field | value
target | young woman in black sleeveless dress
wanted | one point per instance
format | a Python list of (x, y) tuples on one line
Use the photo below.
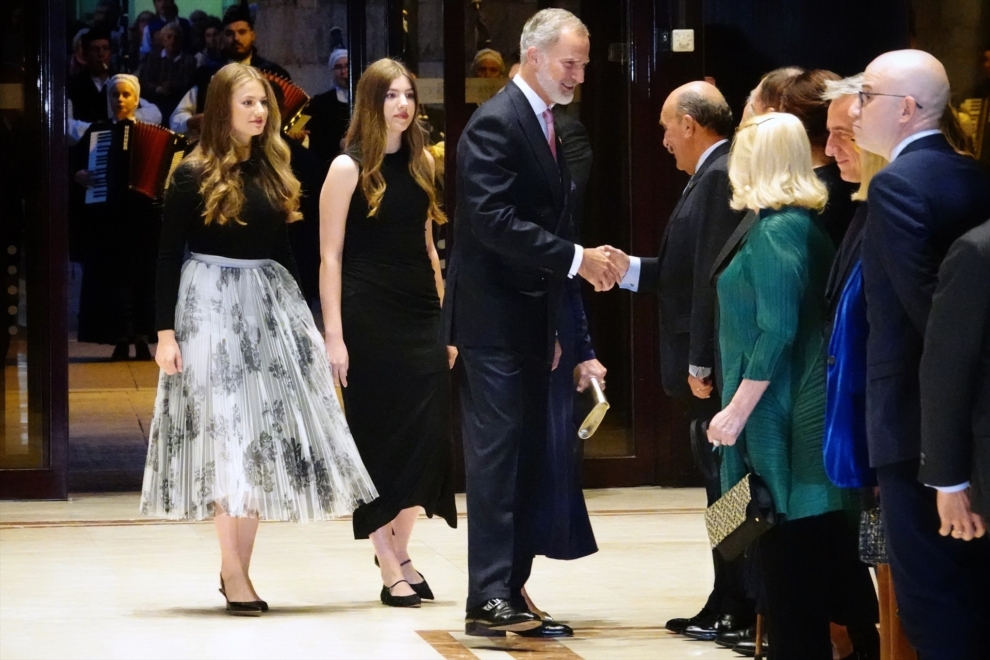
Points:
[(381, 289)]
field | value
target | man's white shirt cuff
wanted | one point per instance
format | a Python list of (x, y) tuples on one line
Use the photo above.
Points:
[(630, 280), (950, 489), (576, 263)]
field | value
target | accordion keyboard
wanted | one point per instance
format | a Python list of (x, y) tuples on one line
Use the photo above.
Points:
[(99, 157)]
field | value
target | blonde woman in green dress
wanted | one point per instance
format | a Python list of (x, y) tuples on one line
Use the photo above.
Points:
[(771, 303)]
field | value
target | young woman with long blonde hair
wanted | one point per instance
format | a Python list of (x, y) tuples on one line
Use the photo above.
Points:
[(246, 425), (381, 288)]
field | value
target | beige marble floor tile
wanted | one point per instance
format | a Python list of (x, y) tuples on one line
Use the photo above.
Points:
[(98, 581)]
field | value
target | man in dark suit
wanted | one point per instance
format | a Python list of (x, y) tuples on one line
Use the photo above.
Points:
[(506, 274), (955, 389), (697, 122), (926, 198)]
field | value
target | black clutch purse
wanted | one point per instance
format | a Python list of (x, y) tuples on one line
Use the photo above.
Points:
[(741, 515), (872, 544)]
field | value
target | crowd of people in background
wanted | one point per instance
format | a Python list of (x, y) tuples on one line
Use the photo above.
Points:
[(823, 300)]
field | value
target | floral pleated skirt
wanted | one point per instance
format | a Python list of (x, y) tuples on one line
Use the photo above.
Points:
[(252, 422)]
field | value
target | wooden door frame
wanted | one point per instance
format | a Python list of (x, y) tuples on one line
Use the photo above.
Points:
[(46, 244)]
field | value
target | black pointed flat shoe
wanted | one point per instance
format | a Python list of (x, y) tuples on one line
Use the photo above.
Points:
[(422, 589), (260, 603), (412, 600)]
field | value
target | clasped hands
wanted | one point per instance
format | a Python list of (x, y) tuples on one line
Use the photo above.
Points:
[(603, 266)]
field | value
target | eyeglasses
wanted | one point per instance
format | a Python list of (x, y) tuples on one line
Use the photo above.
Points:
[(864, 95)]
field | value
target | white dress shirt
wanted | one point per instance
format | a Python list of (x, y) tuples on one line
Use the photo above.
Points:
[(909, 139), (539, 107)]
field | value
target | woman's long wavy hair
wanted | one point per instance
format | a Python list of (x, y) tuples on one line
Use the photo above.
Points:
[(216, 156), (367, 136)]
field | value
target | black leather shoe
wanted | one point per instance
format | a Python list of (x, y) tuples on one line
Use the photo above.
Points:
[(729, 639), (702, 618), (497, 615), (260, 603), (548, 630), (748, 648), (725, 623)]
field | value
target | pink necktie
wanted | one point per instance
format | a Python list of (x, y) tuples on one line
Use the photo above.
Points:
[(551, 136)]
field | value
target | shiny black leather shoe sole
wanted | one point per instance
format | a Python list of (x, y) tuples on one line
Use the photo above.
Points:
[(548, 630), (482, 628)]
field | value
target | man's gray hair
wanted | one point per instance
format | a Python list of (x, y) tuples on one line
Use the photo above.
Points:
[(544, 28), (713, 114), (836, 89)]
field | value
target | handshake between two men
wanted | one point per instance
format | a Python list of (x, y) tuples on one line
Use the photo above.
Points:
[(603, 267)]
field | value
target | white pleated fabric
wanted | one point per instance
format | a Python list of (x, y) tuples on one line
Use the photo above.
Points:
[(252, 422)]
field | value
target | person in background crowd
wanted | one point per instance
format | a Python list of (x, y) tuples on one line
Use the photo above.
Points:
[(488, 64), (194, 41), (771, 307), (238, 45), (926, 198), (697, 122), (382, 287), (166, 12), (166, 75), (116, 304), (330, 111), (212, 42), (77, 60), (135, 36), (253, 430), (799, 92)]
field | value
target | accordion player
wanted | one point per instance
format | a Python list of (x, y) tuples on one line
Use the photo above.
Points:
[(133, 156)]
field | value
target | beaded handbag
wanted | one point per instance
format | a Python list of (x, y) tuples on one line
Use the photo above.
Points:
[(872, 545)]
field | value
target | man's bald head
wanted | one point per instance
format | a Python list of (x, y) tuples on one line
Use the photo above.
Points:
[(694, 116), (904, 92), (705, 104)]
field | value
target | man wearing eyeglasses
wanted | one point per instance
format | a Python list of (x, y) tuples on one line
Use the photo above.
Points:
[(918, 205)]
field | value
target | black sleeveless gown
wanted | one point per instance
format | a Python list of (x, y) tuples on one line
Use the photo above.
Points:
[(397, 398)]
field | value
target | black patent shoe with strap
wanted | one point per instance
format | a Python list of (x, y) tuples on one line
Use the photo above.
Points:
[(412, 600)]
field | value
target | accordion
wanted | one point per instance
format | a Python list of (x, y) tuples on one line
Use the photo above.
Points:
[(132, 156), (292, 100)]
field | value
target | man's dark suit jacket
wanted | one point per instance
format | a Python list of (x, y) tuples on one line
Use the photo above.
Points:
[(955, 372), (846, 258), (508, 262), (700, 225), (918, 205)]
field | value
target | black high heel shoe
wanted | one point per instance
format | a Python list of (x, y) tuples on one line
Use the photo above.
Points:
[(412, 600), (260, 603), (422, 589)]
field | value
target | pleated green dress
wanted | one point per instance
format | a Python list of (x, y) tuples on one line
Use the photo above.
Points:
[(771, 304)]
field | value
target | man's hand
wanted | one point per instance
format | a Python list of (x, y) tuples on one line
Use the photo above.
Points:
[(557, 352), (597, 268), (957, 516), (619, 258), (585, 371), (451, 356), (700, 387)]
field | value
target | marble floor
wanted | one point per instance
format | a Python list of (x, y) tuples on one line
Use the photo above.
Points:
[(89, 578)]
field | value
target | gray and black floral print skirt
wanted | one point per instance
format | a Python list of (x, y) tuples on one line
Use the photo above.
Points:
[(252, 422)]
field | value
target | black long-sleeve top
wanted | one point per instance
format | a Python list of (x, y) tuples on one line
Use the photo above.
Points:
[(264, 234)]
